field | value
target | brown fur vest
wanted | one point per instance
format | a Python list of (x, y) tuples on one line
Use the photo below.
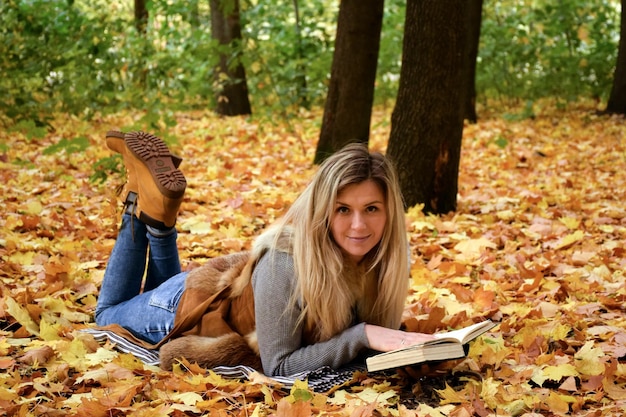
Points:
[(215, 322)]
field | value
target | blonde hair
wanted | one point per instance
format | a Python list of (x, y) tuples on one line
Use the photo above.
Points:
[(325, 286)]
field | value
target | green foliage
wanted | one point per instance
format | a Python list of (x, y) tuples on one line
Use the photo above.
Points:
[(86, 57), (526, 113), (390, 54), (501, 142), (104, 166), (29, 128), (70, 146), (288, 64), (531, 49)]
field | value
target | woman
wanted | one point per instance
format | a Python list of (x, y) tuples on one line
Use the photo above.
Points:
[(324, 285)]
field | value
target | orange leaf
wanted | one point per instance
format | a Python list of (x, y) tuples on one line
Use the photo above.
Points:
[(38, 356)]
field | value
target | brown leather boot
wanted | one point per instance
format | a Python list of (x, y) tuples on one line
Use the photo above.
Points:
[(160, 185), (115, 142)]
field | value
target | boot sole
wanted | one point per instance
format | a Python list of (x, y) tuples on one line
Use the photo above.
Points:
[(113, 138), (153, 153), (114, 134)]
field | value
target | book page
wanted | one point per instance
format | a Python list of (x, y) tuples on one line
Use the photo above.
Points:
[(465, 334), (447, 345)]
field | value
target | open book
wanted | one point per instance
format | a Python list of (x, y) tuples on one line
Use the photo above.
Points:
[(448, 345)]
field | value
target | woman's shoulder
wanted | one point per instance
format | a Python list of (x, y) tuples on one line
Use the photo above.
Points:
[(276, 238), (276, 260), (274, 266)]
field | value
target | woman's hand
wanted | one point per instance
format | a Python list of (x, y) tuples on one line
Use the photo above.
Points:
[(383, 339)]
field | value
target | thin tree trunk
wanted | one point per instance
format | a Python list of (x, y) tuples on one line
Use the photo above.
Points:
[(141, 16), (474, 16), (348, 108), (230, 75), (617, 99)]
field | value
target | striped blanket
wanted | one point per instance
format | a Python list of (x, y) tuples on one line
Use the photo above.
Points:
[(319, 380)]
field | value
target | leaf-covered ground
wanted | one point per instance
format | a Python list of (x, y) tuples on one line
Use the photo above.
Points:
[(537, 244)]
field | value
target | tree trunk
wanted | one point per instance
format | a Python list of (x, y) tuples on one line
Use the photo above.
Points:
[(617, 99), (474, 16), (427, 120), (141, 16), (348, 108), (230, 75)]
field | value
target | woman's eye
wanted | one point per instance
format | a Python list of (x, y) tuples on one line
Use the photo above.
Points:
[(342, 209), (372, 209)]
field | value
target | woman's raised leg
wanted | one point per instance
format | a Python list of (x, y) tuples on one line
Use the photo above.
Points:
[(126, 267), (163, 259)]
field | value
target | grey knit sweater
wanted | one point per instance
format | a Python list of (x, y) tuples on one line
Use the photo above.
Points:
[(280, 339)]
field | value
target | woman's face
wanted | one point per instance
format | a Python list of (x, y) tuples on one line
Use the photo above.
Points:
[(359, 219)]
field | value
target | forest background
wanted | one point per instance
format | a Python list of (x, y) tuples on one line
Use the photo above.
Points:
[(85, 58), (540, 210)]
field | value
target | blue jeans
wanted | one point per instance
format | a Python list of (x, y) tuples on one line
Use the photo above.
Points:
[(148, 314)]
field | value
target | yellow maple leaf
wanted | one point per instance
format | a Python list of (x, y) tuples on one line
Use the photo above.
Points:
[(590, 360), (8, 394), (489, 350), (570, 240), (489, 390), (118, 394), (211, 378), (62, 308), (88, 265), (128, 361), (553, 373), (419, 225), (197, 225), (559, 404), (187, 398), (450, 396), (4, 346), (22, 258), (162, 410), (230, 231), (20, 314), (75, 400), (49, 331), (96, 375), (515, 407), (371, 395), (471, 249), (299, 392), (73, 353), (380, 395), (426, 410), (100, 356), (416, 211), (571, 223), (33, 207), (559, 331)]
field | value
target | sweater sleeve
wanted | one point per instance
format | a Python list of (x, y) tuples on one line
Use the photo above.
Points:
[(279, 336)]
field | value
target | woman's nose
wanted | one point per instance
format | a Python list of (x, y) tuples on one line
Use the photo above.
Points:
[(358, 222)]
